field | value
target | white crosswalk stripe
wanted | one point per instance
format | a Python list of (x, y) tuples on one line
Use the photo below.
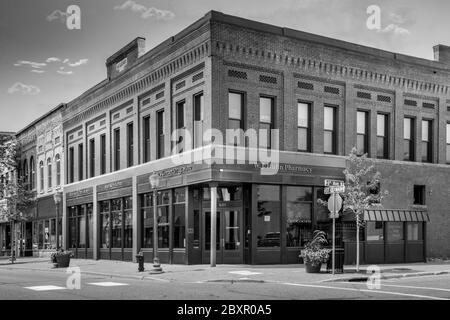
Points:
[(108, 284), (245, 273), (45, 288)]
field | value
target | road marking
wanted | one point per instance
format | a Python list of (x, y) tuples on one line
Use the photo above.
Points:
[(244, 273), (406, 287), (367, 290), (45, 288), (108, 284)]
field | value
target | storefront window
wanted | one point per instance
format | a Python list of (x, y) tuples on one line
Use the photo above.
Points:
[(268, 216), (374, 230), (128, 223), (196, 229), (299, 213), (90, 227), (81, 227), (232, 193), (147, 220), (105, 225), (116, 225), (414, 231), (163, 226), (72, 227), (179, 220), (394, 231)]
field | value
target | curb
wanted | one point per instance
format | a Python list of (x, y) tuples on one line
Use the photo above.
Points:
[(391, 276)]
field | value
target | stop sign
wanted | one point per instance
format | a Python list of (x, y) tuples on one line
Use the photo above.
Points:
[(334, 203)]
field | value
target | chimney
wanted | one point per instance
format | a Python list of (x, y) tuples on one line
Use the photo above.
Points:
[(442, 54), (125, 57)]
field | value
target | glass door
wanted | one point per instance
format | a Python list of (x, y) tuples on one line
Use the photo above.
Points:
[(228, 236)]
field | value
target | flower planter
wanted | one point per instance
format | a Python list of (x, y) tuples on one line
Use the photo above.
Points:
[(310, 268), (63, 261)]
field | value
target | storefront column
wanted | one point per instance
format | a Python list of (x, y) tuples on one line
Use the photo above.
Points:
[(136, 220), (213, 188), (95, 223), (64, 224)]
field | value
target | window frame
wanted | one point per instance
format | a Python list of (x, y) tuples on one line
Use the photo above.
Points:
[(272, 119), (334, 132), (308, 128), (366, 138), (386, 137)]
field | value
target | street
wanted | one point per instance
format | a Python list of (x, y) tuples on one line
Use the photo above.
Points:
[(48, 285)]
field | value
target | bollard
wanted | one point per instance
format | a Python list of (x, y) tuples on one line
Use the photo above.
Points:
[(140, 261)]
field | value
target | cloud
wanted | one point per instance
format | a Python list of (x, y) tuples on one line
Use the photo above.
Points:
[(37, 71), (53, 59), (78, 63), (66, 73), (397, 30), (35, 65), (146, 12), (57, 15), (24, 89), (66, 60)]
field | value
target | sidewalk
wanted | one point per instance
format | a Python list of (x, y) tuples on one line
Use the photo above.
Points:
[(226, 273)]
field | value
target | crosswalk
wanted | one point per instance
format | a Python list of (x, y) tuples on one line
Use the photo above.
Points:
[(53, 288)]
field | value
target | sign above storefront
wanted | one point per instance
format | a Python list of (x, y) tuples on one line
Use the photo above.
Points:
[(80, 193), (115, 185)]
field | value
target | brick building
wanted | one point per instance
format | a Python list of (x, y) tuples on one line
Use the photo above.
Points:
[(325, 96)]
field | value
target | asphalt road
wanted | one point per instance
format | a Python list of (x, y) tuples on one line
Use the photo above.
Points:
[(36, 285)]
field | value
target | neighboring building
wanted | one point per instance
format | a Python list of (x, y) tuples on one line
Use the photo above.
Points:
[(324, 95), (5, 229)]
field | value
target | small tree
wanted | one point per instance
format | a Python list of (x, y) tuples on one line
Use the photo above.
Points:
[(360, 181), (15, 194)]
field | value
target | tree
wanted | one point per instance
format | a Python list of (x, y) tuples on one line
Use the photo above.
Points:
[(362, 191), (15, 195)]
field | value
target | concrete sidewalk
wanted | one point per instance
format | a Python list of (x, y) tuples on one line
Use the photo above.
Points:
[(227, 273)]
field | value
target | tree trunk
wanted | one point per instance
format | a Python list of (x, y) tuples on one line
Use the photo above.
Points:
[(12, 241), (357, 245)]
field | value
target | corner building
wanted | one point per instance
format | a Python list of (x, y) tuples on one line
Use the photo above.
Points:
[(324, 95)]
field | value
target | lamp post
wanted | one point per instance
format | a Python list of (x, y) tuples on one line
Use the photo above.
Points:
[(57, 197), (154, 180)]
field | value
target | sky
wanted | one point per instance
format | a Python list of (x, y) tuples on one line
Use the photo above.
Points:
[(44, 63)]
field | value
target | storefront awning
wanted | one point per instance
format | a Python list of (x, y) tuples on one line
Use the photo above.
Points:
[(396, 215)]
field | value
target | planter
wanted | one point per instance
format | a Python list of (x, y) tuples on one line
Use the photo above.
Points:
[(310, 268), (63, 261)]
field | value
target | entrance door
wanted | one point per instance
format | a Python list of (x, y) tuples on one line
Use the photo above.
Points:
[(228, 236)]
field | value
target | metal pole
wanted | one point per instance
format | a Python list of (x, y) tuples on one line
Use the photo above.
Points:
[(334, 231), (155, 230), (213, 225), (57, 227)]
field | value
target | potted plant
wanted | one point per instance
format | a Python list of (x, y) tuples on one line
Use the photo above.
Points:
[(61, 258), (314, 254)]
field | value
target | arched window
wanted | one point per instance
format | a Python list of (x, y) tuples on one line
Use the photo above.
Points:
[(25, 173), (49, 172), (32, 174), (58, 170), (41, 175)]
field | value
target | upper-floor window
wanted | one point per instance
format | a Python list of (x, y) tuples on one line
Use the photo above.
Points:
[(382, 136), (408, 139), (235, 110), (41, 175), (92, 158), (362, 136), (103, 154), (147, 139), (49, 173), (180, 124), (329, 130), (130, 144), (198, 120), (71, 165), (448, 142), (32, 173), (419, 194), (80, 162), (304, 126), (160, 134), (266, 110), (117, 149), (58, 169), (25, 173), (427, 141)]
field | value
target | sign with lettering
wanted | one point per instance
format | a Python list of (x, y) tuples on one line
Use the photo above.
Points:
[(115, 185), (120, 66), (80, 193)]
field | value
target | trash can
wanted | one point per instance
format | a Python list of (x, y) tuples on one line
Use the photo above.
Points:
[(338, 261), (140, 261)]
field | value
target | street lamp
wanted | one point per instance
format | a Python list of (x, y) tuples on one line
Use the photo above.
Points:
[(154, 180), (57, 197)]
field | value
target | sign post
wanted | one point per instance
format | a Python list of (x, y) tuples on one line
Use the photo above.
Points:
[(333, 187)]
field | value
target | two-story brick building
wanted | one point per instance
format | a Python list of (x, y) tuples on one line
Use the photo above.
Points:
[(325, 96)]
